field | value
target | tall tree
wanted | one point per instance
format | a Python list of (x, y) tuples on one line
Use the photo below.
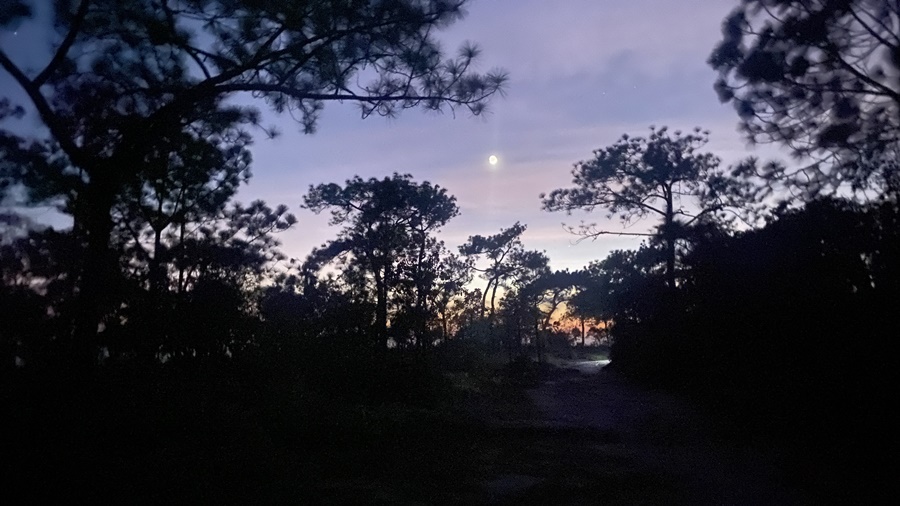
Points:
[(199, 299), (432, 282), (511, 267), (586, 303), (663, 175), (389, 226), (820, 77), (464, 315), (619, 284), (545, 291), (35, 289), (499, 250), (127, 77), (454, 274)]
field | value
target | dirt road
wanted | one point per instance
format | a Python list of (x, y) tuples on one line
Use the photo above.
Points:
[(597, 439)]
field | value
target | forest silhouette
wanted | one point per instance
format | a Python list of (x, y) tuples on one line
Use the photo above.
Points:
[(164, 349)]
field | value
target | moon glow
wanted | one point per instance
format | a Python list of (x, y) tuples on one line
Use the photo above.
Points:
[(493, 159)]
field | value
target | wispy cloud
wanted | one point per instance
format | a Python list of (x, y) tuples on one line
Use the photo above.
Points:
[(583, 73)]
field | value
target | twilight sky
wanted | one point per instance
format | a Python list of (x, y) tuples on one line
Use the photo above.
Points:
[(583, 72)]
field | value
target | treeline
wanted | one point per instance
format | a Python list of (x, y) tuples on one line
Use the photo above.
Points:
[(767, 320), (776, 314), (786, 327), (192, 284), (767, 299)]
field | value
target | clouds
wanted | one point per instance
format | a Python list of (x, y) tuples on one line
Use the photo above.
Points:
[(583, 72), (542, 38)]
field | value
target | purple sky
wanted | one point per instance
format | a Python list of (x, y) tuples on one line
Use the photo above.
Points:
[(583, 72)]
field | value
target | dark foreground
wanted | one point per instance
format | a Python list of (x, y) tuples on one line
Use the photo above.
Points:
[(574, 438)]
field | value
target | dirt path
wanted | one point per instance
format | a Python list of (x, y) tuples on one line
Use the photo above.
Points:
[(596, 439)]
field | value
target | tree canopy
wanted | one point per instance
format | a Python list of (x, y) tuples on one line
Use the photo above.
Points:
[(388, 239), (820, 77), (665, 175), (142, 84), (501, 251)]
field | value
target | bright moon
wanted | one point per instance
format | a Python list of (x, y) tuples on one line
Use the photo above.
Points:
[(493, 159)]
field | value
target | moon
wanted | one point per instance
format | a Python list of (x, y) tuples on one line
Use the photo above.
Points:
[(493, 159)]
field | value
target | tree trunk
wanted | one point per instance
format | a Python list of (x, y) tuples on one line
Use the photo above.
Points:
[(95, 270), (148, 346), (484, 298), (509, 345), (670, 261), (182, 278), (493, 300), (669, 238), (421, 298), (380, 309), (582, 332), (155, 267)]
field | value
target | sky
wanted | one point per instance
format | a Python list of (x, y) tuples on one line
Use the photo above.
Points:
[(582, 73)]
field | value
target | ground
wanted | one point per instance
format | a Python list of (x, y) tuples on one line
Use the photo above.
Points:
[(597, 439), (580, 435)]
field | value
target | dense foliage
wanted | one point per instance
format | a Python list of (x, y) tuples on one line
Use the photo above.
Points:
[(138, 92), (820, 77)]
